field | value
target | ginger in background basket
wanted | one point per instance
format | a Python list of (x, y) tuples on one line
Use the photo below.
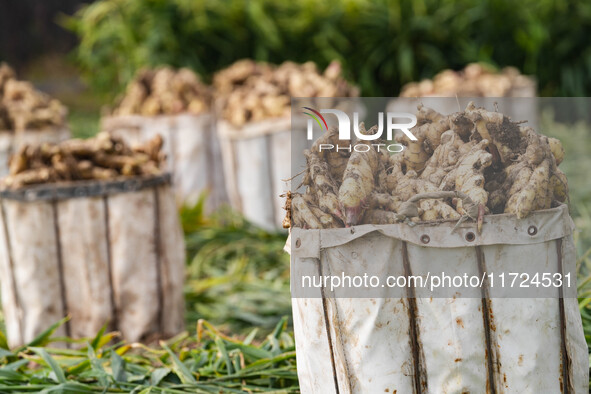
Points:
[(250, 92), (475, 80), (462, 165), (22, 107), (164, 91), (103, 157)]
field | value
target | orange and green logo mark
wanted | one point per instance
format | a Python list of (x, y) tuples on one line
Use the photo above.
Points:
[(316, 117)]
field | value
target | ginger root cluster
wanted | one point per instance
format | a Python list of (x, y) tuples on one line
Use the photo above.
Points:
[(103, 157), (22, 107), (164, 91), (466, 164), (249, 91)]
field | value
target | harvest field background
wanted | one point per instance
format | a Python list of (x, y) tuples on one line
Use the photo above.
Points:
[(238, 311)]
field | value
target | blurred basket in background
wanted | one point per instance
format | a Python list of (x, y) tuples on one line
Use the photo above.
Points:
[(176, 105), (255, 125), (12, 141), (27, 117), (98, 251), (474, 81), (192, 151)]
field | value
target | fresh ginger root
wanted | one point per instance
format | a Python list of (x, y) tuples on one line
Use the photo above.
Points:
[(302, 214), (559, 185), (557, 149), (466, 165), (251, 92), (434, 209), (404, 186), (364, 170), (431, 125), (468, 175), (475, 80), (526, 199), (24, 108), (429, 209), (164, 91), (319, 180), (504, 135), (534, 180), (380, 216), (335, 159), (327, 220), (287, 207), (358, 184), (100, 158), (444, 158)]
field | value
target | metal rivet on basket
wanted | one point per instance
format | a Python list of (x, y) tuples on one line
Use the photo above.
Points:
[(354, 255), (425, 239), (298, 243), (470, 236), (532, 230)]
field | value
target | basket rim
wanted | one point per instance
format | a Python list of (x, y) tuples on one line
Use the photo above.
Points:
[(539, 227), (90, 188)]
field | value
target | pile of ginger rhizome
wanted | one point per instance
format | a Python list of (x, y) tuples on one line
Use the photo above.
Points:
[(462, 166), (101, 158), (164, 91), (24, 108), (249, 91)]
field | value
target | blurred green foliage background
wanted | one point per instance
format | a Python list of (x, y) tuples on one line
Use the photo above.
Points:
[(381, 43)]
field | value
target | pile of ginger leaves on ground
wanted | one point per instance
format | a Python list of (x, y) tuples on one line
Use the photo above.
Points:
[(463, 165)]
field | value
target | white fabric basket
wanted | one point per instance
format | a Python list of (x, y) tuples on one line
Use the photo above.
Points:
[(191, 147), (101, 252), (439, 345), (257, 167)]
